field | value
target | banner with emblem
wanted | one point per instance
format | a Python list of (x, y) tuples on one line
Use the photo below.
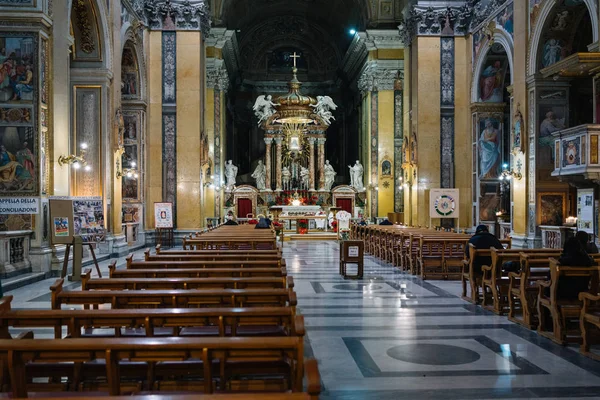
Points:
[(443, 203)]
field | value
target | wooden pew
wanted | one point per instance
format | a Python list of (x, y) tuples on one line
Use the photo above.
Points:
[(173, 298), (88, 283), (197, 322), (203, 264), (312, 393), (210, 257), (160, 251), (468, 277), (195, 272), (589, 323), (496, 282), (265, 363), (562, 310), (229, 242)]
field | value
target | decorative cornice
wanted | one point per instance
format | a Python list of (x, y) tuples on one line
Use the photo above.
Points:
[(226, 41), (216, 74), (172, 15), (380, 75)]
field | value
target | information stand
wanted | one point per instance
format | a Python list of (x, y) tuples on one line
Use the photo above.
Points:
[(352, 252), (163, 237), (78, 244), (163, 224)]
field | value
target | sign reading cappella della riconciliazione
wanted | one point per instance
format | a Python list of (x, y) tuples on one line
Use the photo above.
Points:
[(217, 110)]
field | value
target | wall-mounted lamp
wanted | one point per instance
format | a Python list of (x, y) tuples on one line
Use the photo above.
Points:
[(372, 186), (507, 173), (127, 172), (76, 161), (211, 184)]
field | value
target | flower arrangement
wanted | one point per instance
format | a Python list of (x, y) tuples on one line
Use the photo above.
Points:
[(253, 222), (302, 226), (334, 225)]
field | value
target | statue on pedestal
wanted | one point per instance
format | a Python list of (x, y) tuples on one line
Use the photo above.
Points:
[(286, 177), (356, 176), (260, 174), (329, 175), (324, 104), (304, 177), (230, 174)]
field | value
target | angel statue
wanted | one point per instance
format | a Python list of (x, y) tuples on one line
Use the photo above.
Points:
[(286, 178), (264, 108), (324, 104)]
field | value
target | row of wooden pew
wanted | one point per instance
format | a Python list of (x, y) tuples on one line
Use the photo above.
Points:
[(527, 296), (216, 328)]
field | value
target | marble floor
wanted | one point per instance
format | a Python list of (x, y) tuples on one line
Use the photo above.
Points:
[(394, 336)]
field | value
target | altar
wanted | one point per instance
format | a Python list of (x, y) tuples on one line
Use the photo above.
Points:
[(291, 215)]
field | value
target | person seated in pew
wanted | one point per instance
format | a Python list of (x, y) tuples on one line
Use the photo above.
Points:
[(589, 246), (573, 255), (482, 239), (363, 222), (230, 221), (263, 223), (385, 222)]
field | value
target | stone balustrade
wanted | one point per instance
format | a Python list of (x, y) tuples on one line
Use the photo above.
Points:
[(554, 237), (14, 252)]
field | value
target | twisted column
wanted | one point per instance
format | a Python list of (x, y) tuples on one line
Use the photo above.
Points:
[(311, 163), (278, 165), (268, 163), (321, 161)]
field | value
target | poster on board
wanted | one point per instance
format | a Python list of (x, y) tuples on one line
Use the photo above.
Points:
[(88, 219), (61, 217), (443, 203), (585, 210), (163, 215)]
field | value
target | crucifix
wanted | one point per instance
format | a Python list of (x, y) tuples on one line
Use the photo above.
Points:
[(294, 56)]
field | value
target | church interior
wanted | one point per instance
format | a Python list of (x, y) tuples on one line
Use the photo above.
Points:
[(446, 151)]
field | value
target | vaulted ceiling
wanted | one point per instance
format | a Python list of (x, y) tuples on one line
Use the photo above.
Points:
[(319, 29)]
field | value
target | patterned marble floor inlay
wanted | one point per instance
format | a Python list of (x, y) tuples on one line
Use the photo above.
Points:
[(393, 336)]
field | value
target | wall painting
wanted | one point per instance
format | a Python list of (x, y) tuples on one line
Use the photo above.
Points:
[(553, 208), (489, 146)]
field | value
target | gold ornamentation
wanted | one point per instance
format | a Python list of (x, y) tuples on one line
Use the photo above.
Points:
[(83, 24)]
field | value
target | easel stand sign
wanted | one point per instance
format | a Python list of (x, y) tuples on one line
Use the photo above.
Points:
[(443, 203), (163, 224), (78, 244)]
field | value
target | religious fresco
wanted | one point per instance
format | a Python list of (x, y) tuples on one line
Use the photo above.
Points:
[(18, 161), (478, 39), (552, 119), (130, 156), (130, 188), (131, 127), (129, 75), (489, 146), (17, 69), (505, 19), (553, 51), (489, 203), (491, 80), (552, 208), (534, 10)]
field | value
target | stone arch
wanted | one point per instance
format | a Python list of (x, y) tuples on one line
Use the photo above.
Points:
[(538, 31), (130, 41), (503, 38), (98, 23)]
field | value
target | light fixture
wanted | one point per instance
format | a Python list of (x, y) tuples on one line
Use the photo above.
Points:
[(296, 199), (352, 31), (76, 161), (507, 174), (127, 172)]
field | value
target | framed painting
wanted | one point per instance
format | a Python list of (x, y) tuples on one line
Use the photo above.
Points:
[(552, 208)]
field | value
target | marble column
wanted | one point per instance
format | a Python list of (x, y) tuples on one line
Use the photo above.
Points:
[(321, 161), (311, 164), (278, 164), (268, 163)]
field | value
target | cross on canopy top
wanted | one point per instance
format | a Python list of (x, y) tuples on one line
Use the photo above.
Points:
[(294, 56)]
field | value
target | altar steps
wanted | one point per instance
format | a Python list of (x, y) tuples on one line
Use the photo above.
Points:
[(312, 236)]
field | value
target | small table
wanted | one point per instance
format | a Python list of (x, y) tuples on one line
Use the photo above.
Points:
[(352, 252)]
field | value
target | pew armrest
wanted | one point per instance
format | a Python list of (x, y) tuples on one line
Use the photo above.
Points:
[(313, 378), (299, 329), (85, 277), (588, 297), (111, 268), (5, 302), (290, 282)]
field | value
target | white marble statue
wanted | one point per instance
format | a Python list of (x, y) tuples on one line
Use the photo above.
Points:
[(286, 177), (264, 108), (230, 174), (356, 176), (260, 174), (329, 175), (304, 177), (323, 107)]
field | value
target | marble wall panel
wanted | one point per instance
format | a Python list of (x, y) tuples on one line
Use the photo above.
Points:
[(88, 130)]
